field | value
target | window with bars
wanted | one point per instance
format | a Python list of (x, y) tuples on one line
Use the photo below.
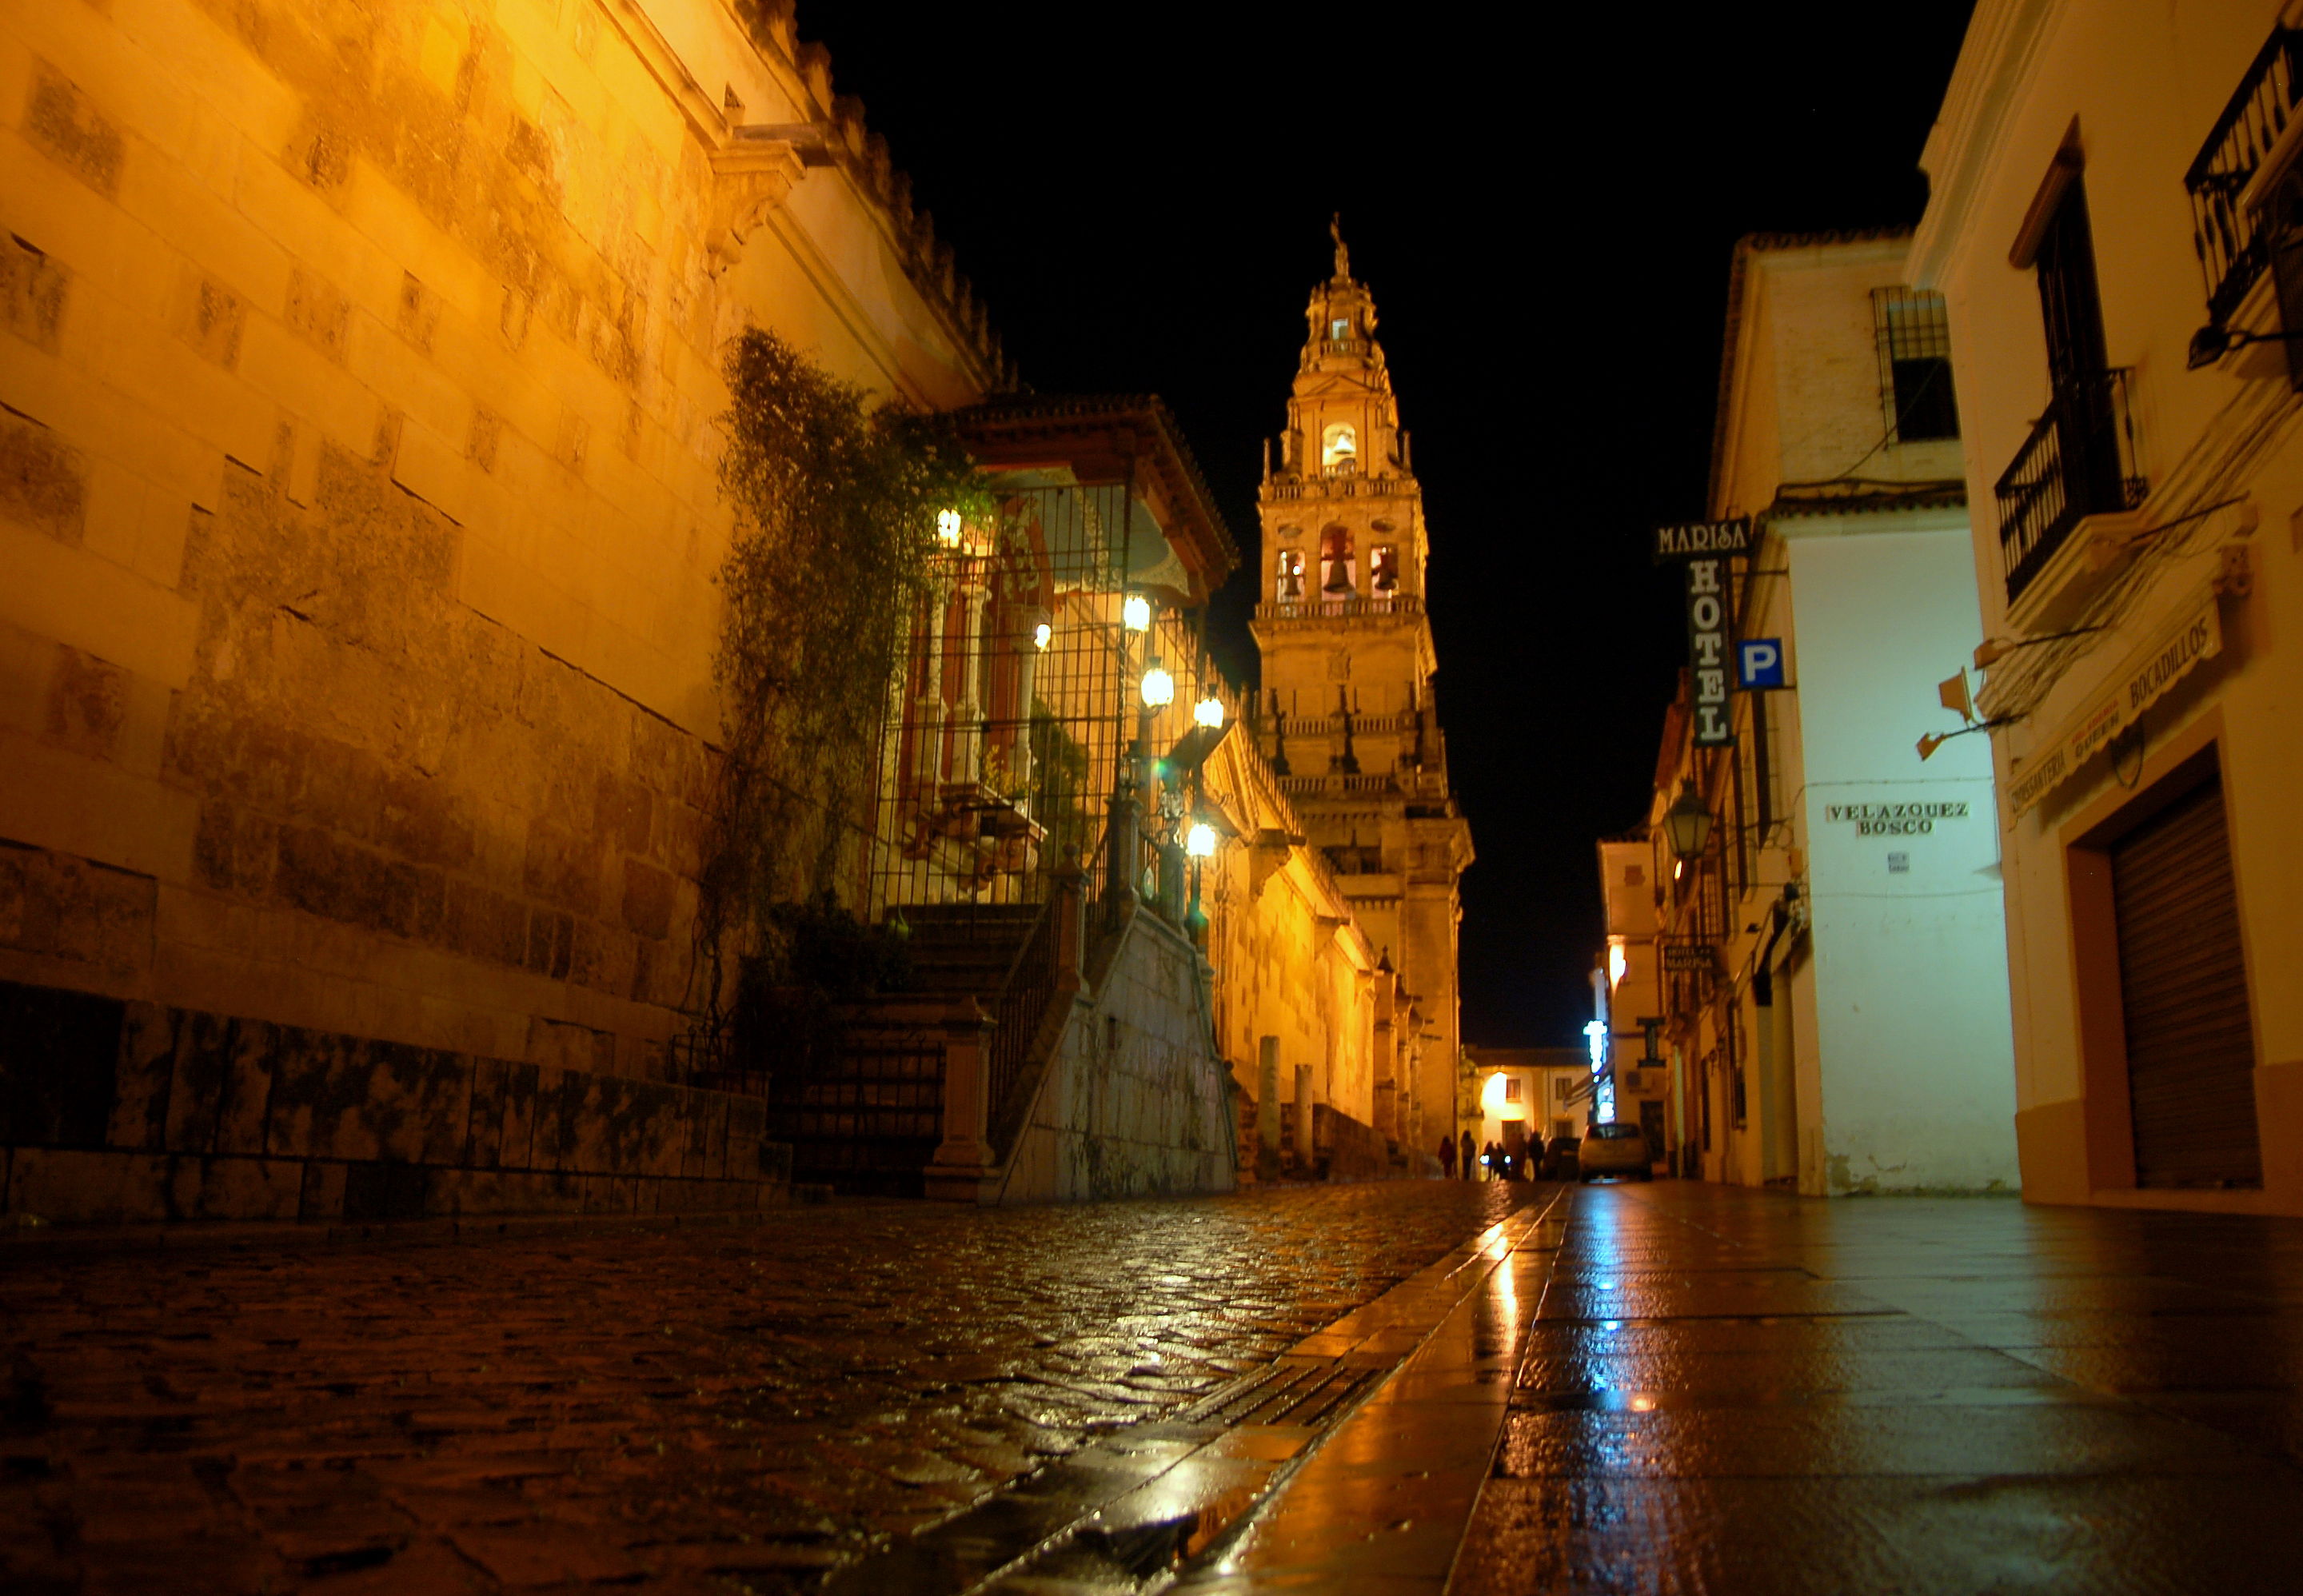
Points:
[(1914, 337)]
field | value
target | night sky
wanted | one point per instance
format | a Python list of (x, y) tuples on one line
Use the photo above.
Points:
[(1545, 211)]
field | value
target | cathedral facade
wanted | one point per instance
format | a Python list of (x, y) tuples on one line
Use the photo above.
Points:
[(1347, 717)]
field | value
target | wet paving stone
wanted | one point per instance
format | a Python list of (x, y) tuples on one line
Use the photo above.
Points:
[(1736, 1391), (713, 1408)]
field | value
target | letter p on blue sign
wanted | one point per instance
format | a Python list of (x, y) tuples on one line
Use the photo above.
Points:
[(1759, 663)]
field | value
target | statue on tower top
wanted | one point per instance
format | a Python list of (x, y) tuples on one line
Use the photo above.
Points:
[(1343, 256)]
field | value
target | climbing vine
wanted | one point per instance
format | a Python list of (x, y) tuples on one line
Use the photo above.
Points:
[(836, 501)]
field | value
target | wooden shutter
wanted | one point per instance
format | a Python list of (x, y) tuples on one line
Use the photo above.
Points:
[(2191, 1047)]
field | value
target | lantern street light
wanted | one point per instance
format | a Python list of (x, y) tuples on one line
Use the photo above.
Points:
[(1042, 635), (948, 528), (1200, 842), (1158, 687), (1135, 613), (1209, 712), (1687, 825)]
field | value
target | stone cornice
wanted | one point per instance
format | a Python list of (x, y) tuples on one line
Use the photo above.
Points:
[(1995, 62)]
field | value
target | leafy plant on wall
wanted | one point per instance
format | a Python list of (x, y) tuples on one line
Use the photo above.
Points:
[(835, 503)]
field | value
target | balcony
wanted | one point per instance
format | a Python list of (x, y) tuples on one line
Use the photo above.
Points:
[(1352, 608), (2078, 462), (2232, 250)]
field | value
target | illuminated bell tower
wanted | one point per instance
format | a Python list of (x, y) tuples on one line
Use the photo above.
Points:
[(1348, 716)]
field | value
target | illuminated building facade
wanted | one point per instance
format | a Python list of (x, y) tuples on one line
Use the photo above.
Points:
[(1346, 716), (2116, 212)]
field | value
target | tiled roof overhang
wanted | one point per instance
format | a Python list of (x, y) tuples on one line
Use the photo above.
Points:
[(1106, 438)]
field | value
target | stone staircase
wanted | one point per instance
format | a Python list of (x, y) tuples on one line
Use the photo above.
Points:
[(867, 1121)]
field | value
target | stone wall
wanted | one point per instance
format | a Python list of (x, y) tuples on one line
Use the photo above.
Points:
[(1134, 1100), (123, 1110), (359, 366)]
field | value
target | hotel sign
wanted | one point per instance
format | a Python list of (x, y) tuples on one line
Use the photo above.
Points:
[(1705, 547), (2197, 634)]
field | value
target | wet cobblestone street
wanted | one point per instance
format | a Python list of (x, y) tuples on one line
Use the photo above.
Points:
[(711, 1408)]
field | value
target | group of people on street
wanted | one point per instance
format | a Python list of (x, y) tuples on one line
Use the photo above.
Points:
[(1494, 1161)]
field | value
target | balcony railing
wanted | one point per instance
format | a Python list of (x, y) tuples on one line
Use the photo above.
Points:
[(2231, 251), (2078, 461), (1331, 609), (1337, 486)]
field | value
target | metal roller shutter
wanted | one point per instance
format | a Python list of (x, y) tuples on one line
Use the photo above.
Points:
[(2190, 1047)]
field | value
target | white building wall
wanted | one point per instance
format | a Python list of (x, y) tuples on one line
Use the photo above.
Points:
[(1915, 1086)]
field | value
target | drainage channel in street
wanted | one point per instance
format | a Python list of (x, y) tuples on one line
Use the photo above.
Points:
[(1145, 1503)]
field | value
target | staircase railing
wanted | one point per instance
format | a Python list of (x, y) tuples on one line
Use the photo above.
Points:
[(1046, 968)]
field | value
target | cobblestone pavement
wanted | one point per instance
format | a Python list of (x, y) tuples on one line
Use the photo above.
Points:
[(706, 1409)]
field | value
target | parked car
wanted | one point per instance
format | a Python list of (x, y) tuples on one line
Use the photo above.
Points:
[(1560, 1159), (1614, 1148)]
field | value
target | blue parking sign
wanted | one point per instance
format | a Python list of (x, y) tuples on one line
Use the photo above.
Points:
[(1759, 663)]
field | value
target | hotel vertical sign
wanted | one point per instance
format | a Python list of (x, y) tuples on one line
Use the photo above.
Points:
[(1704, 548)]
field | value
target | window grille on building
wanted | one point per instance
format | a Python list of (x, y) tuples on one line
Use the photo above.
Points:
[(1914, 336)]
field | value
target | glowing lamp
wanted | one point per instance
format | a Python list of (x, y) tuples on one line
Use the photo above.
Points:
[(1040, 635), (948, 528), (1159, 689), (1135, 614), (1209, 712), (1200, 842), (1687, 823), (1618, 961)]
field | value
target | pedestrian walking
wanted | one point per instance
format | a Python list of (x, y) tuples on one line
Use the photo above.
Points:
[(1447, 1157), (1491, 1157), (1471, 1170)]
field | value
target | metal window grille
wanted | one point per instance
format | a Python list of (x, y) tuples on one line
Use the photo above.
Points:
[(1913, 334), (999, 752)]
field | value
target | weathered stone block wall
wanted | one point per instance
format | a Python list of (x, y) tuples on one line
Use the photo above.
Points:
[(126, 1111), (1134, 1102), (358, 371)]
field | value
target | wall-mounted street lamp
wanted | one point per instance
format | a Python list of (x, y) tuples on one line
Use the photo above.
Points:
[(1687, 825), (1200, 842), (948, 528), (1158, 687), (1135, 613), (1041, 635), (2211, 342), (1209, 712)]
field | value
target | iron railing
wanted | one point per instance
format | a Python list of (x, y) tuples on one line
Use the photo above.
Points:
[(2078, 462), (1017, 1011), (2233, 251)]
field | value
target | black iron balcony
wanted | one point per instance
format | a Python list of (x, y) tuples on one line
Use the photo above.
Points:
[(2078, 461), (2233, 251)]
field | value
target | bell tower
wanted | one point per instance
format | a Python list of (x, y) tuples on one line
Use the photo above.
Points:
[(1348, 714)]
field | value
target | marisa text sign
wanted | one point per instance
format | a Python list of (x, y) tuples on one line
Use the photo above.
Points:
[(1894, 819), (2194, 633), (1695, 539)]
